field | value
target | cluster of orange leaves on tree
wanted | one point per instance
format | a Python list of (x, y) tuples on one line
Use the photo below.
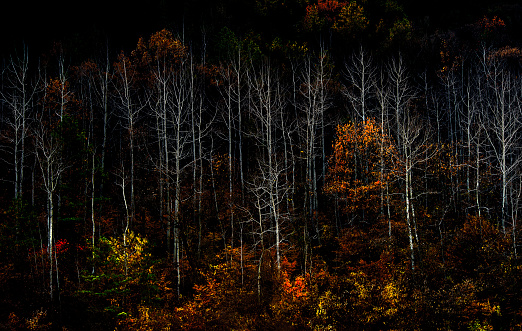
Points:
[(59, 98), (360, 165), (162, 46), (489, 29), (346, 17), (490, 25)]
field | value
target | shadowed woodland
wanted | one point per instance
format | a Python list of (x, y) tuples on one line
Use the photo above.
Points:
[(349, 166)]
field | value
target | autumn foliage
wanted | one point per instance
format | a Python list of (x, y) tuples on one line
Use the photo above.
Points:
[(240, 190), (360, 166)]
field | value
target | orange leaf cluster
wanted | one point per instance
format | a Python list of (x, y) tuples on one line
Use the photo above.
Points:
[(341, 15), (162, 46), (356, 173), (492, 24)]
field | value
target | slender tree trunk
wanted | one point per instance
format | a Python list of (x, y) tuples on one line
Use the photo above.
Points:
[(92, 211), (477, 179), (408, 213), (105, 104), (230, 186), (50, 240), (127, 219), (239, 125), (177, 225)]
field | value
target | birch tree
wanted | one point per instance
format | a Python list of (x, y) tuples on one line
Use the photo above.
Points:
[(179, 142), (412, 136), (316, 76), (164, 53), (360, 77), (130, 107), (266, 104), (503, 131), (18, 96), (229, 101), (382, 93), (51, 163)]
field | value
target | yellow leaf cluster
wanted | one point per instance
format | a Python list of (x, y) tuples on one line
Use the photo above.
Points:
[(132, 251)]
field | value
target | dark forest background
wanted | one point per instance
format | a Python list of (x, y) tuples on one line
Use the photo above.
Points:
[(261, 164)]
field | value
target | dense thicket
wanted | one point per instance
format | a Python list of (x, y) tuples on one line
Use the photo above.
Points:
[(251, 182)]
